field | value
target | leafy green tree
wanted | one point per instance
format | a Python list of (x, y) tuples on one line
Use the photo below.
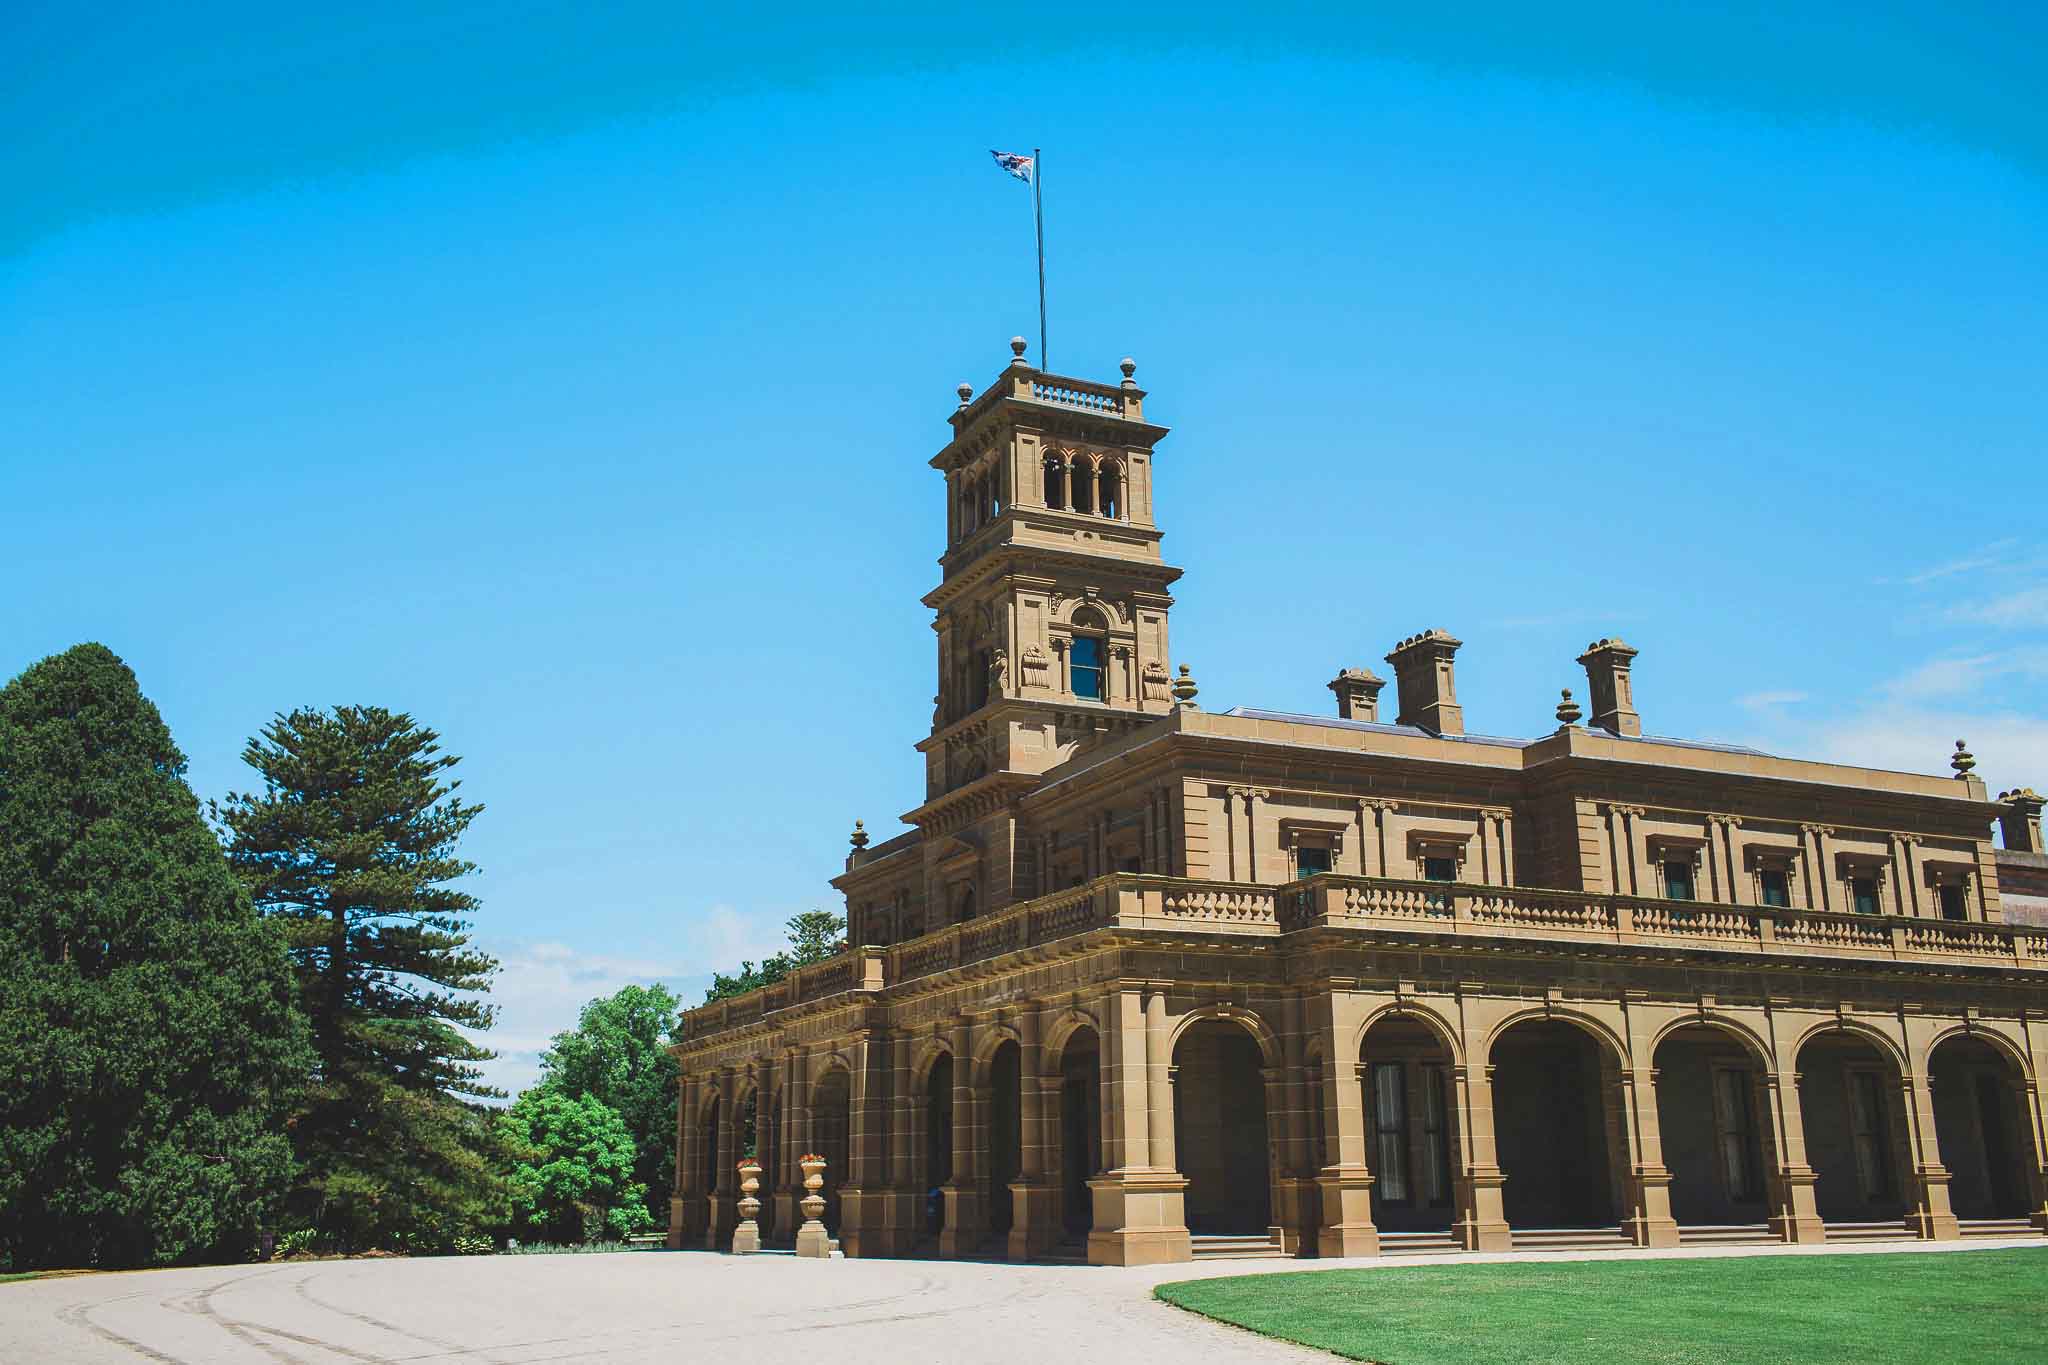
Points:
[(148, 1042), (616, 1054), (814, 936), (350, 848), (572, 1171)]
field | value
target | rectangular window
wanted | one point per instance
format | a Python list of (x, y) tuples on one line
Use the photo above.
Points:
[(1440, 869), (1955, 902), (1309, 861), (1436, 1133), (1390, 1131), (1087, 667), (1863, 895), (1867, 1122), (1678, 880), (1735, 1115), (1777, 886)]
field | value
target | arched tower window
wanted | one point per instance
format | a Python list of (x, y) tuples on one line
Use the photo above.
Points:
[(1110, 500), (1055, 481), (1085, 661), (1083, 492)]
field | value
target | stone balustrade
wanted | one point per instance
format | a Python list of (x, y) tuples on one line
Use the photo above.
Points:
[(1138, 903)]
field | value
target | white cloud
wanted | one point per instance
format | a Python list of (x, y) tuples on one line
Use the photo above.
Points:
[(1764, 701), (1992, 556), (1959, 677), (2011, 750), (2025, 609), (542, 986)]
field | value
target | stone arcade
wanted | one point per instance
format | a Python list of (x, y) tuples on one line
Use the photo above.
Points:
[(1144, 981)]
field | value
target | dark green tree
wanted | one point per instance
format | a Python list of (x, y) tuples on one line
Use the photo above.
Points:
[(616, 1054), (814, 936), (349, 848), (149, 1047), (572, 1168)]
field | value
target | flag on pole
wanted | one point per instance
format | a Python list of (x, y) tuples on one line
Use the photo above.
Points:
[(1023, 167)]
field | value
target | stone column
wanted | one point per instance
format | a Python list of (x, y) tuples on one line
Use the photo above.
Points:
[(1931, 1217), (789, 1145), (1649, 1222), (723, 1176), (1795, 1212), (1140, 1202), (1034, 1207), (903, 1202), (1481, 1224), (686, 1153), (862, 1207), (965, 1219), (1823, 875), (1344, 1184)]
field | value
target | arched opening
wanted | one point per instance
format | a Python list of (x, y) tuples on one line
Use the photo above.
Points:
[(1552, 1127), (1080, 1155), (1055, 482), (831, 1110), (1855, 1129), (1409, 1126), (1110, 497), (1005, 1134), (1082, 489), (1978, 1124), (938, 1141), (1219, 1124), (1711, 1118), (709, 1161)]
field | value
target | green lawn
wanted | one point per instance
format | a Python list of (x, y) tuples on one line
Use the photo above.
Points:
[(6, 1275), (1914, 1309)]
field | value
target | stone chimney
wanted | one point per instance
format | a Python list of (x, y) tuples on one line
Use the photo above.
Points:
[(1358, 694), (2021, 820), (1614, 703), (1422, 681)]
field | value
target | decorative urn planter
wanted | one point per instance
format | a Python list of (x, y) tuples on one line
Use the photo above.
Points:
[(811, 1239), (746, 1237)]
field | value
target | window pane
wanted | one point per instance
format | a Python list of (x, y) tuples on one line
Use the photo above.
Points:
[(1440, 869), (1777, 887), (1678, 881), (1437, 1144), (1953, 904), (1087, 667), (1863, 891), (1309, 861), (1390, 1122)]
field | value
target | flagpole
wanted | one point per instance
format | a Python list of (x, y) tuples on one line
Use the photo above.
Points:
[(1038, 214)]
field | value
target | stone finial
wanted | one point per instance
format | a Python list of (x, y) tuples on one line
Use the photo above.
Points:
[(1130, 369), (1962, 760), (1017, 345), (2021, 820), (1424, 686), (966, 392), (1358, 694), (859, 838), (858, 854), (1184, 691), (1567, 711), (1607, 663)]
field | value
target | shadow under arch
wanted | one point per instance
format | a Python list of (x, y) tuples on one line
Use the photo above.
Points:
[(1853, 1113), (1978, 1085), (1559, 1129), (1714, 1121), (1221, 1142), (1406, 1060)]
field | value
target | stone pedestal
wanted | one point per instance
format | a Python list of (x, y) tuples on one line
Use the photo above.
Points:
[(1482, 1224), (1140, 1218), (1651, 1224), (1347, 1228), (676, 1213), (1932, 1219), (723, 1216), (965, 1225), (1795, 1215), (1034, 1219)]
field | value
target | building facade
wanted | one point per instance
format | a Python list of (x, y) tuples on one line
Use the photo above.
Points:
[(1143, 981)]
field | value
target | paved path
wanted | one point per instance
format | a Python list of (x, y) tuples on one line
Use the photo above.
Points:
[(666, 1307)]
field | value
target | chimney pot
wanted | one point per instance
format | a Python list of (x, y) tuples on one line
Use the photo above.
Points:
[(2021, 820), (1424, 682), (1607, 663), (1358, 694)]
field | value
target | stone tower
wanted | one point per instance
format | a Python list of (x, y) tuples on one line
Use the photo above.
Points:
[(1052, 602)]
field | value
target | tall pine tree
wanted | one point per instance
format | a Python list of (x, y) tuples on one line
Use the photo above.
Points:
[(148, 1043), (350, 847)]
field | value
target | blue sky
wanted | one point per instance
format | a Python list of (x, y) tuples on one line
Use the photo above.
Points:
[(569, 382)]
